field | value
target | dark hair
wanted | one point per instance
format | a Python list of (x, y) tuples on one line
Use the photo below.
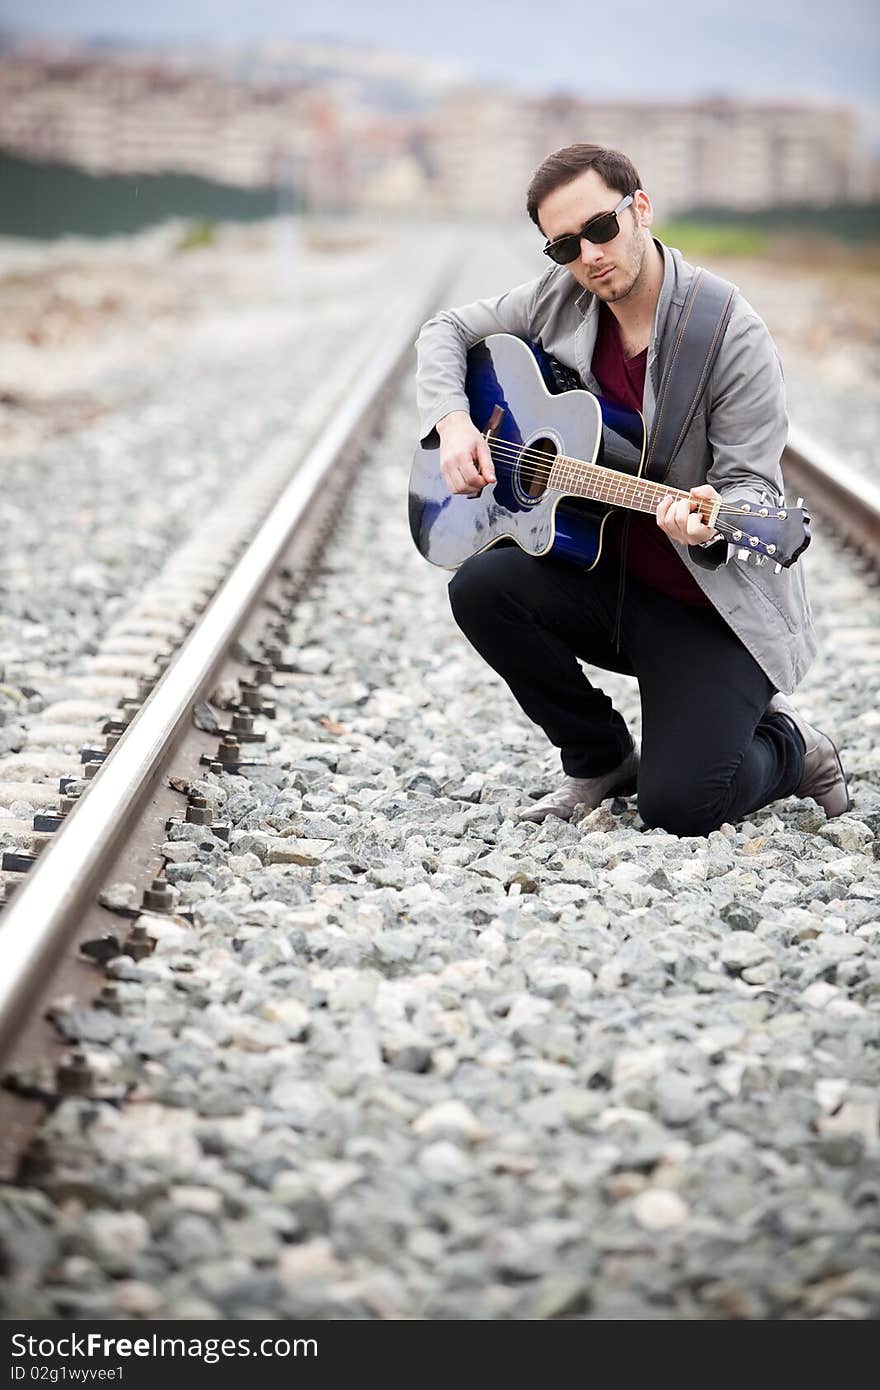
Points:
[(561, 167)]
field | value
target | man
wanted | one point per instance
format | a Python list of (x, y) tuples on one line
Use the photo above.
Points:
[(713, 644)]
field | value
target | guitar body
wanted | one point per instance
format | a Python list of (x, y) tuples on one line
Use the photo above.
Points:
[(509, 387)]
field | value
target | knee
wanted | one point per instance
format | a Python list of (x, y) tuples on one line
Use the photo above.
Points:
[(463, 590), (477, 586), (680, 810)]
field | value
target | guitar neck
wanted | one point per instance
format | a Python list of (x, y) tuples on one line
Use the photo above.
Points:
[(577, 478)]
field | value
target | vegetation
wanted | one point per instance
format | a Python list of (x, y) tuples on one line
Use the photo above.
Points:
[(200, 232), (52, 200), (848, 222), (846, 233), (711, 239)]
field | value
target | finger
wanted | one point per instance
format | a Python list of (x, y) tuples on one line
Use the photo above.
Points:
[(454, 480), (696, 526), (467, 479), (690, 518), (680, 513), (697, 530), (484, 458), (702, 495), (469, 474)]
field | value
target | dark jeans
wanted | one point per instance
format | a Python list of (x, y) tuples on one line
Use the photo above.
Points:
[(708, 753)]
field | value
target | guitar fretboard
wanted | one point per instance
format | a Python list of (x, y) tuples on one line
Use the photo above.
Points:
[(578, 478)]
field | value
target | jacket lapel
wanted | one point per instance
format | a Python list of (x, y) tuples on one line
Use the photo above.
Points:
[(658, 330)]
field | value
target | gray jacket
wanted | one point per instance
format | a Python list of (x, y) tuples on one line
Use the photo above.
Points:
[(735, 440)]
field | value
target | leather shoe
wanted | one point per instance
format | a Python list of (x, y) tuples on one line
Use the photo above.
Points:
[(586, 791), (824, 778)]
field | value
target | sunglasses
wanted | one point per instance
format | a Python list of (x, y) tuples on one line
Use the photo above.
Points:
[(598, 230)]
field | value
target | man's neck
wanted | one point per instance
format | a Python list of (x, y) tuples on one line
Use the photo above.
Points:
[(635, 313)]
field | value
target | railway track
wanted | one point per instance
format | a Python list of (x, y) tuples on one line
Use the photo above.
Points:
[(237, 642), (215, 622), (841, 496), (218, 626)]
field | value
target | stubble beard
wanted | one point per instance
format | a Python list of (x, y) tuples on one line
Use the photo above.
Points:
[(635, 275)]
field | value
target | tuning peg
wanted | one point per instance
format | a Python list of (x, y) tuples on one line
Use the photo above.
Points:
[(799, 502), (760, 559), (743, 554), (777, 569)]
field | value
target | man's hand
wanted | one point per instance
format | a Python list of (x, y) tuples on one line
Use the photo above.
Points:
[(677, 516), (465, 460)]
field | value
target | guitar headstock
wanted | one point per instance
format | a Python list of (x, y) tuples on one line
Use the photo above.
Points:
[(764, 532)]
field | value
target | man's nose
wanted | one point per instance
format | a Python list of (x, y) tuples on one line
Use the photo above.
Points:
[(591, 254)]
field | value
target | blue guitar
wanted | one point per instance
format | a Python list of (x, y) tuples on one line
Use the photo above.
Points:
[(563, 462)]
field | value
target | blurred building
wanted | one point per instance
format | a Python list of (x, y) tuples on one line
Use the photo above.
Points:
[(723, 152), (483, 147), (360, 130)]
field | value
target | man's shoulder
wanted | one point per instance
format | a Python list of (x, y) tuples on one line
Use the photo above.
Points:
[(556, 286), (685, 271), (744, 317)]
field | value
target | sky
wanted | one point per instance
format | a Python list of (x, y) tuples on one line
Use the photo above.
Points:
[(759, 48)]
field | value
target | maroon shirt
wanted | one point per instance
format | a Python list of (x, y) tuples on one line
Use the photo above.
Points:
[(651, 557)]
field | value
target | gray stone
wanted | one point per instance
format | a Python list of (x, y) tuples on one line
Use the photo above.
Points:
[(427, 1061), (678, 1098), (205, 719), (740, 950)]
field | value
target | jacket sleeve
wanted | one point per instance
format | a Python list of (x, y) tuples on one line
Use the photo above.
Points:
[(443, 343), (746, 423)]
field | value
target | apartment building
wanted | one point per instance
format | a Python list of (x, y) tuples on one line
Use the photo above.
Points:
[(342, 137)]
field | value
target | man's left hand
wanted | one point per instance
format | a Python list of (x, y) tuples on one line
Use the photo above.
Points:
[(677, 516)]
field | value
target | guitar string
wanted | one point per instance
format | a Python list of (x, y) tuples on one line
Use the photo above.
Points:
[(627, 480), (608, 477), (720, 525), (627, 487), (620, 483)]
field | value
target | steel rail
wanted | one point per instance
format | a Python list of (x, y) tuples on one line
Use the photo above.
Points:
[(834, 491), (34, 928)]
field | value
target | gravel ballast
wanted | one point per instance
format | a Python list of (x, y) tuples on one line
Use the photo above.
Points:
[(406, 1057)]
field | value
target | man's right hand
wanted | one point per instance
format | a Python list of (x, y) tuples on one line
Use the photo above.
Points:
[(465, 460)]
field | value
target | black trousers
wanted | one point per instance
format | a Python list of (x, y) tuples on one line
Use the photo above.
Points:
[(708, 753)]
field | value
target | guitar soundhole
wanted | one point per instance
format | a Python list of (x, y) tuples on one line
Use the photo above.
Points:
[(535, 463)]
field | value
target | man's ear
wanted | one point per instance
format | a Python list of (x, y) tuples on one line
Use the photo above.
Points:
[(644, 209)]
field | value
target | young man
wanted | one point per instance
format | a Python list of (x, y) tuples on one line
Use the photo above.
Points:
[(711, 643)]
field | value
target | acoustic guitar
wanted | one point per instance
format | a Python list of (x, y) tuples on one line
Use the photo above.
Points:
[(564, 460)]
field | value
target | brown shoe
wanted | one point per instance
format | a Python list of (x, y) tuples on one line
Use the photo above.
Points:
[(824, 778), (586, 791)]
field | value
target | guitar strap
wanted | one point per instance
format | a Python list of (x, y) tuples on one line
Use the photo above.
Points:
[(704, 317)]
